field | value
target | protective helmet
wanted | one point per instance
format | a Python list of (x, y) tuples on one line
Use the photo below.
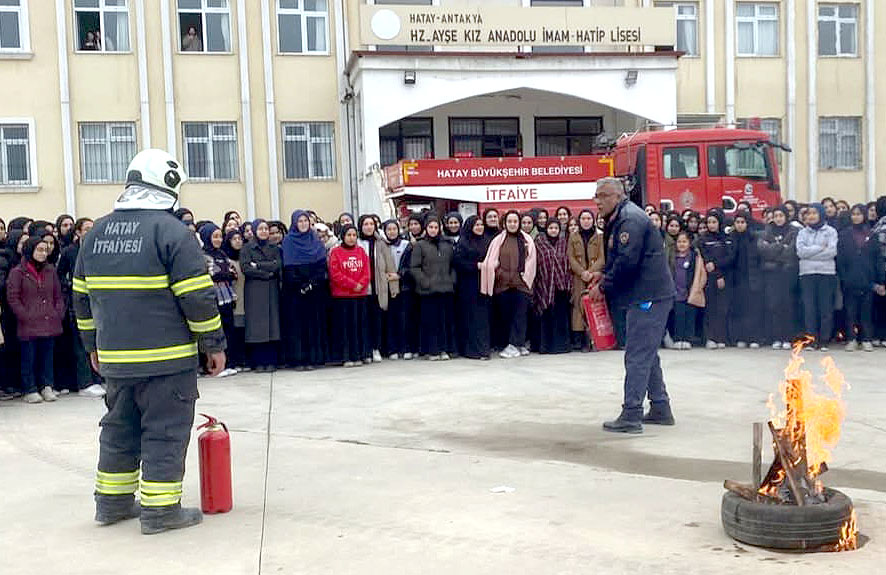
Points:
[(157, 169)]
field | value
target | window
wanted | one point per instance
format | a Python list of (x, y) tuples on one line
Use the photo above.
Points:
[(839, 143), (204, 25), (102, 25), (308, 151), (301, 26), (13, 26), (757, 29), (484, 137), (15, 155), (680, 163), (105, 151), (211, 150), (735, 162), (687, 25), (838, 30), (410, 139), (566, 136), (772, 127)]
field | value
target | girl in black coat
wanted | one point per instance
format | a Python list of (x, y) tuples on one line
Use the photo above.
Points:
[(719, 256), (745, 314), (779, 268), (261, 263), (305, 295), (431, 266), (856, 267), (472, 307)]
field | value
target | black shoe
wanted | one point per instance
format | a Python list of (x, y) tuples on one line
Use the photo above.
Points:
[(660, 415), (110, 516), (622, 425), (154, 521)]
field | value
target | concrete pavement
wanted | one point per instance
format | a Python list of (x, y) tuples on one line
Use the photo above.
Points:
[(391, 468)]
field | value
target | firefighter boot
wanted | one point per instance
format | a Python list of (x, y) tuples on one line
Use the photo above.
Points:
[(108, 514), (627, 422), (174, 517), (659, 414)]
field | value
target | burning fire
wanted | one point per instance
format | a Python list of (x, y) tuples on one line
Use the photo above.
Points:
[(848, 535), (812, 419)]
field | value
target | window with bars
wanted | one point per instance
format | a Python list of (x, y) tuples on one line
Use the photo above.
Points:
[(302, 26), (106, 150), (308, 151), (102, 25), (566, 136), (838, 30), (15, 155), (757, 25), (484, 137), (687, 25), (204, 25), (211, 151), (408, 139), (13, 26), (839, 143)]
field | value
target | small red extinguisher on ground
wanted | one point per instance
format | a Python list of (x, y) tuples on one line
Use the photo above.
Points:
[(215, 467)]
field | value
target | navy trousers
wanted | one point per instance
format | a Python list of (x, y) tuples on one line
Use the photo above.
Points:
[(644, 330)]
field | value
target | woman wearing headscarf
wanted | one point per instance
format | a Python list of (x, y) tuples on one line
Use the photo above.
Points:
[(563, 214), (551, 291), (384, 282), (247, 233), (817, 250), (491, 223), (64, 229), (349, 279), (236, 352), (541, 221), (431, 267), (527, 224), (305, 295), (344, 219), (472, 307), (793, 211), (276, 232), (415, 228), (394, 319), (35, 297), (262, 265), (16, 239), (223, 275), (508, 274), (747, 285), (857, 260), (778, 262), (586, 256), (232, 215), (452, 227), (673, 227), (718, 253)]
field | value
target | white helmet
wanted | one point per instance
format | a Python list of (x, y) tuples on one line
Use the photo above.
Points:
[(157, 169)]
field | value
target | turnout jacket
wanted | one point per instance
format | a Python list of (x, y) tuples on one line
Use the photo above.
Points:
[(142, 296)]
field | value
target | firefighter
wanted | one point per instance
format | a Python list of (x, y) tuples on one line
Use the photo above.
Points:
[(636, 278), (143, 303)]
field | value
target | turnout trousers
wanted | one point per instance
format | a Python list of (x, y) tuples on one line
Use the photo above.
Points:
[(148, 427), (644, 330)]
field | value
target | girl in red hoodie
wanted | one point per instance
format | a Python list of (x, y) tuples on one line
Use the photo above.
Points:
[(349, 284)]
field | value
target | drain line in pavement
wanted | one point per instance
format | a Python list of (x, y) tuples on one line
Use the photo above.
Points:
[(264, 506)]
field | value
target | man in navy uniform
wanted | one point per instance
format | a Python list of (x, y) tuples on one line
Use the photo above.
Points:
[(636, 277)]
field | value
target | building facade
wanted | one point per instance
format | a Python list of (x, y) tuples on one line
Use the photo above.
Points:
[(278, 104)]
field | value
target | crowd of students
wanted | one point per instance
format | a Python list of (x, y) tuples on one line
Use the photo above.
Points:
[(357, 291)]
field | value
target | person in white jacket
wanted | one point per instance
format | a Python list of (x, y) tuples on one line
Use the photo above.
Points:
[(817, 250)]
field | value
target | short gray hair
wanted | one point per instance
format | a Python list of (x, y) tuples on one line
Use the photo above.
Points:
[(612, 183)]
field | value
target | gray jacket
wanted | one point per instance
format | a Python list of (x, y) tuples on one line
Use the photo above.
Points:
[(817, 250)]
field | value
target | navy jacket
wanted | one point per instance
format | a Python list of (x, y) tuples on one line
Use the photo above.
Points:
[(857, 267), (636, 265)]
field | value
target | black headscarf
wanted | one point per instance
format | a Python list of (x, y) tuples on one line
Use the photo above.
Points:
[(781, 230), (384, 234), (473, 246), (586, 235), (182, 212), (233, 255), (716, 213), (540, 227), (795, 208), (554, 239), (672, 218), (337, 228), (421, 223), (521, 245), (18, 223), (206, 231), (446, 231), (56, 252), (344, 229), (488, 231), (12, 239), (28, 253), (66, 239), (431, 217)]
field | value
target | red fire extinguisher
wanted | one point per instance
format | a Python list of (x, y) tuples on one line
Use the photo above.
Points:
[(215, 467)]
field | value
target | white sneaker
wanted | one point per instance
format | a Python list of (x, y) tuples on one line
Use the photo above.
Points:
[(524, 351), (63, 392), (875, 343), (94, 390), (669, 341), (851, 346), (394, 357), (433, 357), (687, 345), (349, 364), (376, 356), (509, 352), (741, 345), (786, 345), (32, 397), (227, 372), (867, 346), (721, 346), (824, 348), (444, 356), (48, 394), (407, 356), (776, 345), (711, 344), (754, 345)]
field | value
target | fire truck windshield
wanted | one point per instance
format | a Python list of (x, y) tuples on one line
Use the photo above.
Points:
[(750, 162)]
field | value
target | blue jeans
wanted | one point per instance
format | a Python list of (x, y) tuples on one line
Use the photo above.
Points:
[(37, 363), (644, 330)]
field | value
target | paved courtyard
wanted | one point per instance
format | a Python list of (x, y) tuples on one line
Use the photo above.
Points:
[(394, 468)]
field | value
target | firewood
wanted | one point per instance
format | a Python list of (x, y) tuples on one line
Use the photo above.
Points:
[(757, 457), (746, 491), (787, 463)]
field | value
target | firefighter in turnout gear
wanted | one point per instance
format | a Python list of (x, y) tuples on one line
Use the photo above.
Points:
[(144, 301)]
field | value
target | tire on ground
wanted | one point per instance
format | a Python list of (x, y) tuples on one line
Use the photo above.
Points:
[(785, 526)]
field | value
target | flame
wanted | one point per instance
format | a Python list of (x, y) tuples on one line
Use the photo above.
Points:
[(812, 419), (848, 535)]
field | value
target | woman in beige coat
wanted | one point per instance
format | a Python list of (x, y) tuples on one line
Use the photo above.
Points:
[(384, 280), (586, 256)]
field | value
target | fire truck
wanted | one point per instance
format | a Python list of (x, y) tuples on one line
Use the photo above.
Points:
[(679, 169)]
